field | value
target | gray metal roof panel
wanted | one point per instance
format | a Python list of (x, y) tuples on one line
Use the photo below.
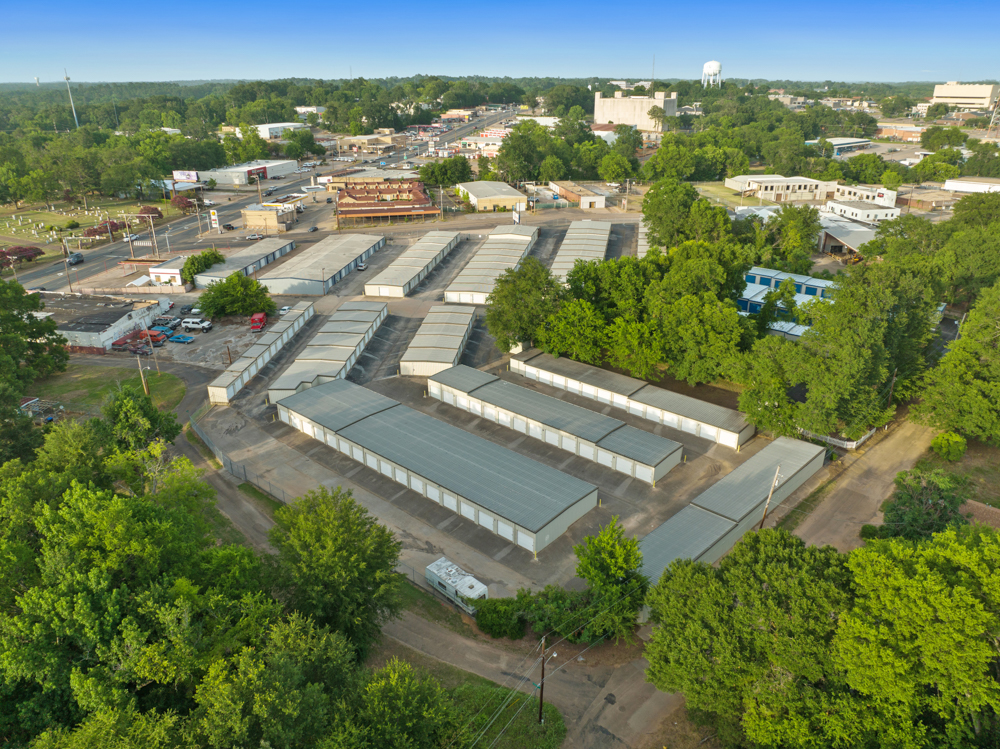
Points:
[(745, 489), (463, 378), (359, 305), (495, 478), (436, 355), (354, 315), (692, 408), (338, 404), (345, 326), (686, 535), (648, 449), (595, 376)]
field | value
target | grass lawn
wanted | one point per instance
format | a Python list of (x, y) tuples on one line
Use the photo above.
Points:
[(426, 606), (84, 388), (981, 464), (206, 453), (265, 502), (718, 193)]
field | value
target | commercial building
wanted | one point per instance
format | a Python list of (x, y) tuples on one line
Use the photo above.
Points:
[(168, 273), (843, 145), (861, 211), (316, 269), (439, 341), (868, 193), (91, 323), (904, 133), (275, 130), (706, 420), (333, 350), (413, 264), (504, 249), (780, 189), (241, 173), (792, 102), (583, 432), (584, 240), (634, 110), (278, 333), (382, 199), (842, 235), (806, 286), (268, 219), (710, 526), (247, 261), (384, 140), (522, 501), (575, 193), (967, 96), (492, 196), (304, 112), (973, 184)]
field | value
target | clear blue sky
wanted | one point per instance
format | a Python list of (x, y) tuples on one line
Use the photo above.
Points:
[(141, 41)]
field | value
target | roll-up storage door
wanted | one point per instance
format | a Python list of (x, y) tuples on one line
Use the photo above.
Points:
[(344, 446), (416, 484), (485, 520), (468, 511), (434, 493), (451, 501), (490, 412), (525, 541), (624, 465), (520, 424), (621, 401), (505, 530), (535, 430), (449, 397), (603, 396), (709, 433), (568, 443), (636, 408), (689, 426), (605, 458), (358, 454), (589, 391), (400, 476), (434, 388), (504, 418), (644, 473), (463, 402), (552, 437), (371, 461)]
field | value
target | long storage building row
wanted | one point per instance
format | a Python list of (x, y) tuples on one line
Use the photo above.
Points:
[(316, 269), (716, 423), (514, 497), (715, 520), (407, 271), (504, 248), (225, 387), (642, 241), (583, 432), (247, 261), (333, 350), (439, 342), (584, 240)]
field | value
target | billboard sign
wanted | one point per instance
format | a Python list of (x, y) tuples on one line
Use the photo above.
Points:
[(258, 171), (214, 215), (185, 176)]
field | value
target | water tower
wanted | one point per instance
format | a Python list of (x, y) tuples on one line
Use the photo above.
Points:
[(711, 74)]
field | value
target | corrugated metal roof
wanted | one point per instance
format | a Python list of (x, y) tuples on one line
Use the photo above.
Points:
[(336, 405), (514, 487), (360, 305), (435, 355), (638, 445), (602, 378), (336, 339), (326, 258), (345, 326), (686, 535), (691, 408), (463, 378), (743, 490)]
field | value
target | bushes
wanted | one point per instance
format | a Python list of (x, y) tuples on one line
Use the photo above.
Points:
[(199, 263), (949, 446), (72, 225), (501, 617)]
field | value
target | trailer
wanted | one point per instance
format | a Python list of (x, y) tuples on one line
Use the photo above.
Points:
[(455, 584)]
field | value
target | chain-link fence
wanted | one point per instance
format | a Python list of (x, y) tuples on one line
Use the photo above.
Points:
[(239, 470)]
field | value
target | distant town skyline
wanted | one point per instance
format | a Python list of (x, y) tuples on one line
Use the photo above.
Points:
[(127, 42)]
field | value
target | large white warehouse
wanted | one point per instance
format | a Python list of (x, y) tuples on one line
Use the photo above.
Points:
[(504, 248), (583, 432), (722, 425), (439, 342), (407, 271), (514, 497)]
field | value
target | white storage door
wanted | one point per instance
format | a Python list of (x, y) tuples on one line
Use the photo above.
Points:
[(504, 418), (624, 465), (573, 386), (569, 443), (344, 446), (371, 461), (505, 530), (525, 541), (728, 439), (416, 484), (307, 428), (331, 440), (670, 419), (358, 454), (468, 511), (434, 493), (603, 396), (559, 381), (644, 473), (449, 397), (451, 501), (619, 400), (535, 430), (385, 291), (463, 402), (476, 407), (586, 450), (687, 425), (485, 520), (400, 475), (709, 433), (434, 388), (636, 408), (296, 421), (588, 390), (552, 437), (490, 412), (520, 424), (604, 458)]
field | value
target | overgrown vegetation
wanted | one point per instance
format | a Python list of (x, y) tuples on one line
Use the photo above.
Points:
[(200, 263), (236, 295)]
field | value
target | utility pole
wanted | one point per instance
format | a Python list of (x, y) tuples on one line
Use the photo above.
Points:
[(541, 684), (767, 504), (70, 92), (142, 375), (66, 265), (892, 385)]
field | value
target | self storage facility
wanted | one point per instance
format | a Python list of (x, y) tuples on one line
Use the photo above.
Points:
[(707, 420), (514, 497), (247, 262), (504, 248), (333, 350), (715, 520), (412, 266), (439, 342), (584, 240), (225, 387), (316, 269), (583, 432)]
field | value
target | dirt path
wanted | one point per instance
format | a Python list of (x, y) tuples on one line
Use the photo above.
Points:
[(861, 489)]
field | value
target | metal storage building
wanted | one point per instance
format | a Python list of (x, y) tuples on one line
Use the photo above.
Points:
[(247, 261), (319, 267), (518, 499), (439, 341), (716, 423), (583, 432), (642, 241), (504, 248), (584, 240), (804, 285), (412, 266), (333, 350), (717, 518), (225, 387)]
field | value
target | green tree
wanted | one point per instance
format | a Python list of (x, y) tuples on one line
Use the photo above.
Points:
[(924, 503), (199, 263), (636, 347), (615, 168), (339, 564), (795, 233), (934, 111), (665, 211), (521, 301), (552, 169), (576, 331), (766, 373), (707, 222), (700, 337), (130, 422), (236, 295)]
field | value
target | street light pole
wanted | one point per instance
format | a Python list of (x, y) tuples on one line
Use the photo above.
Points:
[(142, 375)]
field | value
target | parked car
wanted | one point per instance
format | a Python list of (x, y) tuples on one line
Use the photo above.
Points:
[(254, 236), (75, 258), (171, 323), (313, 228), (197, 323), (186, 309), (229, 227), (162, 329), (209, 202), (140, 350), (180, 338), (329, 200), (362, 266), (129, 238), (195, 312), (283, 310), (155, 337)]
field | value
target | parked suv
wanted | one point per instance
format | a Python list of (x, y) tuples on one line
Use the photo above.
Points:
[(74, 258), (168, 322), (196, 323)]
